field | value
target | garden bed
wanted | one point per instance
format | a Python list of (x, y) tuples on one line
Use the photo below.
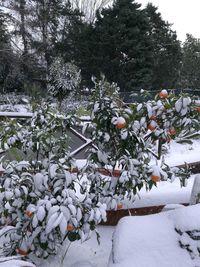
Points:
[(168, 239)]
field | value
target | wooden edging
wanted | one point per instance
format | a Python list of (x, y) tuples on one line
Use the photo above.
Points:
[(113, 216), (195, 166)]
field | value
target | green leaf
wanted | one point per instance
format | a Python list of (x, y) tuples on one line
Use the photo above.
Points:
[(44, 245), (185, 141), (72, 236), (92, 226), (98, 237), (14, 154), (151, 183)]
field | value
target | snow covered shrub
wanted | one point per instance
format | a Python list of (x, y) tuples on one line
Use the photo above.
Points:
[(190, 240), (40, 201), (126, 136), (14, 262), (40, 196), (64, 78)]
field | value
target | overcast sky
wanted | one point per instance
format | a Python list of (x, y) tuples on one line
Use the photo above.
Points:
[(184, 14)]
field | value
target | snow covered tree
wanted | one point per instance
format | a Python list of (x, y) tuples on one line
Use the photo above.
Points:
[(44, 199), (126, 138), (7, 57), (41, 197), (89, 7), (190, 63), (64, 78)]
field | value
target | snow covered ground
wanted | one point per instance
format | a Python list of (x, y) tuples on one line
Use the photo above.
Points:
[(178, 154), (152, 240), (87, 254)]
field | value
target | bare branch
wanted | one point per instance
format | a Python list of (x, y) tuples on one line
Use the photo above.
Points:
[(89, 7)]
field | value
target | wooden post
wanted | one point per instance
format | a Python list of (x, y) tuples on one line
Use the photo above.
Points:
[(195, 195)]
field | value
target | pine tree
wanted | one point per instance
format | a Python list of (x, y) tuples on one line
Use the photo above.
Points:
[(190, 71), (51, 25), (122, 46), (6, 53), (80, 45), (166, 51), (20, 14)]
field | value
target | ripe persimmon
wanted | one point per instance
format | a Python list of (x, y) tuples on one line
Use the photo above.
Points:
[(163, 94), (198, 109), (155, 178), (121, 123)]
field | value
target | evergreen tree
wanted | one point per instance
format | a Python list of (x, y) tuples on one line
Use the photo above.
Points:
[(6, 54), (122, 45), (80, 47), (20, 14), (190, 71), (40, 26), (166, 51), (52, 24)]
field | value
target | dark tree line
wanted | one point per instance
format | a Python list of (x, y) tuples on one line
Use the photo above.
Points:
[(132, 46)]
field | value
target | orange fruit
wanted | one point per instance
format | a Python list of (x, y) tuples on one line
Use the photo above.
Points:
[(198, 109), (22, 252), (163, 94), (70, 227), (116, 173), (172, 131), (28, 213), (121, 123), (155, 178), (151, 126), (119, 206)]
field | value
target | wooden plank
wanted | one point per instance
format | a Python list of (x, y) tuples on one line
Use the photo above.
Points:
[(113, 216)]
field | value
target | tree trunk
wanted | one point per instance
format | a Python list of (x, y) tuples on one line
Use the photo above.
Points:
[(23, 27)]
